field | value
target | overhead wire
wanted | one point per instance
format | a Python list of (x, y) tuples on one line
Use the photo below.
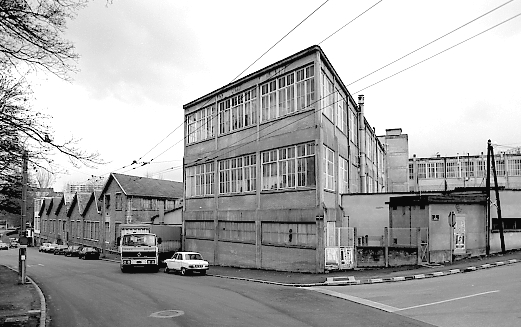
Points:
[(431, 42), (443, 51), (135, 162)]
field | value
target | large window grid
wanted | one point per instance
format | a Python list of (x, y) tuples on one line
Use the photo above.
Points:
[(452, 169), (287, 94), (514, 167), (200, 180), (238, 175), (238, 112), (328, 167), (341, 120), (500, 167), (288, 167), (200, 124)]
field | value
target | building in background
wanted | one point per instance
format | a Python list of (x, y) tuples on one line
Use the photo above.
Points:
[(447, 173), (267, 158)]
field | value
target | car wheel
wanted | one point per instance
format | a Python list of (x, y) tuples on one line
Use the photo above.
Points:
[(166, 271), (203, 272), (124, 269), (184, 272)]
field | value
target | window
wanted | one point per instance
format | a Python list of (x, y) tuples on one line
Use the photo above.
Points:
[(514, 167), (341, 111), (237, 175), (452, 169), (328, 167), (80, 229), (482, 168), (287, 94), (343, 175), (500, 167), (107, 230), (200, 180), (328, 97), (200, 124), (422, 172), (288, 167), (107, 201), (118, 201), (411, 171), (353, 126), (224, 116), (238, 112)]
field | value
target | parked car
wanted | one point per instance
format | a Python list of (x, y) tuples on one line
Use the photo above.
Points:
[(60, 249), (73, 251), (88, 253), (13, 244), (50, 248), (186, 262), (4, 246), (44, 247)]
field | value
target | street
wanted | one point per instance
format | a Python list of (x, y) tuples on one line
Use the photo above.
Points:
[(488, 297), (96, 293)]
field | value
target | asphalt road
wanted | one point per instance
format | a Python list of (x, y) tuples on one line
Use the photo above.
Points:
[(489, 297), (96, 293)]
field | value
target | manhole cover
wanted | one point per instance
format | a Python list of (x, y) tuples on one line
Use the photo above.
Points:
[(167, 314)]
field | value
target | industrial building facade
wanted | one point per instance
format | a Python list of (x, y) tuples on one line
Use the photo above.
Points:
[(266, 159), (447, 173)]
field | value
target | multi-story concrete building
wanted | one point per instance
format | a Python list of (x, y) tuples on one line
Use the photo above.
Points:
[(266, 160), (447, 173)]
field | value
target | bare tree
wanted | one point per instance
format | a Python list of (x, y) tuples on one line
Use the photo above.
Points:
[(31, 32), (44, 178)]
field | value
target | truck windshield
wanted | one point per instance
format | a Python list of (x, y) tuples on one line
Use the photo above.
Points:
[(138, 240)]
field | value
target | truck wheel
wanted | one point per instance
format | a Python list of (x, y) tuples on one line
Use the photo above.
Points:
[(183, 271), (124, 269)]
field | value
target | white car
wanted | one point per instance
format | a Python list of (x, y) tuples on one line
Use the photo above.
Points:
[(186, 262), (43, 247)]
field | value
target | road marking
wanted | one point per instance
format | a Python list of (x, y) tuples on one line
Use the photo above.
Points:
[(167, 314), (444, 301), (354, 299), (41, 265)]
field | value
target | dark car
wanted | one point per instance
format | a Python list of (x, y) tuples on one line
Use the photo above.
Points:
[(73, 251), (88, 253), (60, 249)]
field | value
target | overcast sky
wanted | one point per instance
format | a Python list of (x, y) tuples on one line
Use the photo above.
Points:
[(141, 61)]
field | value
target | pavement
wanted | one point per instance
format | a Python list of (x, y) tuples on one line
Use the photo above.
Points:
[(23, 305)]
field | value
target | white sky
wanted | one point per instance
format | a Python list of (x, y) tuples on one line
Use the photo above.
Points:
[(141, 61)]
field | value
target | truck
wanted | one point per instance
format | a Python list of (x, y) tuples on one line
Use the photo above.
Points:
[(147, 246)]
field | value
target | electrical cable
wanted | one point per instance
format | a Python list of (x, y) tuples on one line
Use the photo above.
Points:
[(449, 48), (350, 22), (437, 39)]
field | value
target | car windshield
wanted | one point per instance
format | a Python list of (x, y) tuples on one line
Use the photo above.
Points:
[(138, 240)]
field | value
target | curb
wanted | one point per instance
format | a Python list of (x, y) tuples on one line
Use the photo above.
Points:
[(348, 281), (43, 306)]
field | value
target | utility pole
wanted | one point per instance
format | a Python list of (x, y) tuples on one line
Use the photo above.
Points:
[(22, 252), (498, 203), (487, 224)]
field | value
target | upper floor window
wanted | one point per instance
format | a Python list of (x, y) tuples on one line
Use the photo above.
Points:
[(119, 200), (238, 112), (343, 175), (287, 94), (199, 180), (200, 124), (514, 167), (341, 120), (328, 97), (289, 167)]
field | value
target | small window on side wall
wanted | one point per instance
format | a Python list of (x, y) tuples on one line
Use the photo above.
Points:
[(107, 201), (118, 201)]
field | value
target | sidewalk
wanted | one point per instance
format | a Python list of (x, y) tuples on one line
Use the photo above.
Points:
[(367, 276), (19, 304)]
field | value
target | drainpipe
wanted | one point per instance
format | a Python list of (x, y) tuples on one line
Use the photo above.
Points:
[(362, 145)]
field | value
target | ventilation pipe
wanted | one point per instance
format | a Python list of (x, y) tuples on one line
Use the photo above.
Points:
[(362, 145)]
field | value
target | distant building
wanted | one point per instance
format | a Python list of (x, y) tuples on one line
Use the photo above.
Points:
[(447, 173)]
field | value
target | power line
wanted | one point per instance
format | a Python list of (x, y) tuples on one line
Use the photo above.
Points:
[(352, 20), (416, 64), (281, 39), (294, 28), (437, 39)]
